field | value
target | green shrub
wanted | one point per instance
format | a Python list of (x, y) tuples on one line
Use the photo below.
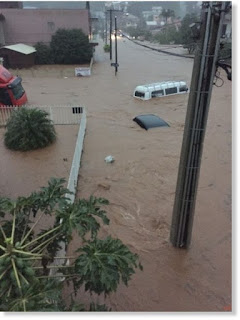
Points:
[(29, 129), (71, 47), (44, 54), (106, 48)]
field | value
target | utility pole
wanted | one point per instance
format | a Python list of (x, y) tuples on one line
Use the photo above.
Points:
[(116, 53), (110, 11), (105, 27), (89, 19), (115, 64), (204, 70)]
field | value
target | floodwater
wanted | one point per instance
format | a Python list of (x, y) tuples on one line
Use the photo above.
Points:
[(140, 184), (21, 173)]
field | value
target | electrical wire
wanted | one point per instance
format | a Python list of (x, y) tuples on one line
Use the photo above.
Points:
[(217, 77)]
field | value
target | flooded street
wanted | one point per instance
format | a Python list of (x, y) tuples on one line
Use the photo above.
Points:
[(140, 184)]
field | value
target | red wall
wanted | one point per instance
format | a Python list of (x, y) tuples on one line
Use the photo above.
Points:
[(29, 26)]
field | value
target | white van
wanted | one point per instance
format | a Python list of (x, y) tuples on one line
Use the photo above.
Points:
[(160, 89)]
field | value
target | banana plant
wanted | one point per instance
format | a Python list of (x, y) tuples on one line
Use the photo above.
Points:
[(29, 280)]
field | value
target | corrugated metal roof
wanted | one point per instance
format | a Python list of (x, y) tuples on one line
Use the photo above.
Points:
[(22, 48)]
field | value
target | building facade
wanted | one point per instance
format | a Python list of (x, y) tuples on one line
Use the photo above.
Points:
[(30, 26)]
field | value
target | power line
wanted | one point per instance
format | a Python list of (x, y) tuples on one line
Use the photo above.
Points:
[(159, 50)]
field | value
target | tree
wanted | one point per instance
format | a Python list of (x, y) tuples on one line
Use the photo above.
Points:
[(44, 54), (167, 36), (167, 13), (192, 7), (187, 38), (71, 47), (27, 280), (29, 129)]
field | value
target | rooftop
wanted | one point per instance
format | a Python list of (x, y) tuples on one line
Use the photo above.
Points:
[(20, 47)]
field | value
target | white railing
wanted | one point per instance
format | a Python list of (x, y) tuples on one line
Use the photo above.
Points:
[(61, 115), (73, 177), (72, 185), (58, 114)]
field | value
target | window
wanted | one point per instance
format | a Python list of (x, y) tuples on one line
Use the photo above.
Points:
[(183, 88), (157, 93), (51, 26), (139, 94), (171, 90)]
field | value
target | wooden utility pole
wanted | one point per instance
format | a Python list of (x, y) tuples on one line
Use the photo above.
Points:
[(204, 70)]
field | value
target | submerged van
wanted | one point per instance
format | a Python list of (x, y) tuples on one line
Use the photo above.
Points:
[(160, 89)]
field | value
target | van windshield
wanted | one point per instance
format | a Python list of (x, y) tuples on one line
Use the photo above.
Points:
[(139, 94)]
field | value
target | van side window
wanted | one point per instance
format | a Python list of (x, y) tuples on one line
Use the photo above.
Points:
[(171, 90), (157, 93), (139, 94), (183, 88)]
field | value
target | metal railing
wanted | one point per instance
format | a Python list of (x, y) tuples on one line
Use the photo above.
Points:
[(72, 186), (73, 177), (58, 114), (61, 115)]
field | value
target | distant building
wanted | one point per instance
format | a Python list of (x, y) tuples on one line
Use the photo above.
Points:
[(30, 26), (11, 5), (151, 24), (147, 14), (129, 21), (163, 26), (157, 10)]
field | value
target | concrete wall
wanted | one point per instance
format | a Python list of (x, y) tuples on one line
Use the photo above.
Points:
[(29, 26)]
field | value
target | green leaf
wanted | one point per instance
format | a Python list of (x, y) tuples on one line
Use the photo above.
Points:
[(82, 216), (103, 263)]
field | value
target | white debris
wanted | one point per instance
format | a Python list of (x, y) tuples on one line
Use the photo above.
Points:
[(109, 159)]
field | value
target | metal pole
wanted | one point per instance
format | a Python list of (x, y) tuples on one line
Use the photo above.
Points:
[(110, 12), (116, 57), (196, 121), (105, 27)]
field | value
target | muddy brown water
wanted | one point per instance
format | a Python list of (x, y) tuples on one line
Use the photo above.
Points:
[(140, 184)]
